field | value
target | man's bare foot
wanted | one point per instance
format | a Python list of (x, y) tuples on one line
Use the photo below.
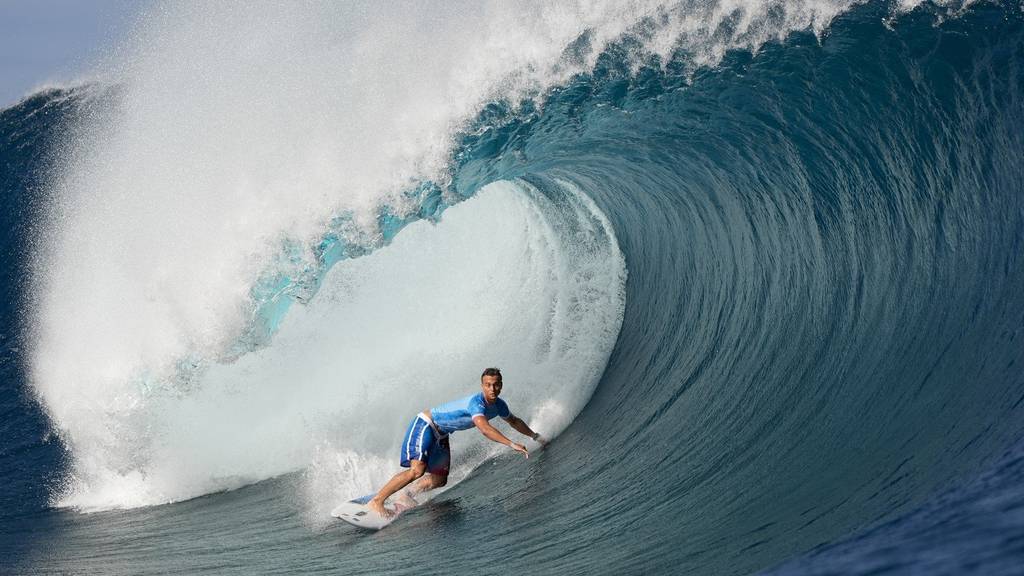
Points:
[(378, 507)]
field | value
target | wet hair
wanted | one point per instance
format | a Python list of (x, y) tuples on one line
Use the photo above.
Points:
[(491, 372)]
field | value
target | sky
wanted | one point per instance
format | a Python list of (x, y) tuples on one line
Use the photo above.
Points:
[(45, 42)]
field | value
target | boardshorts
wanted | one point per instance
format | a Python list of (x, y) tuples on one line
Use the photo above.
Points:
[(425, 443)]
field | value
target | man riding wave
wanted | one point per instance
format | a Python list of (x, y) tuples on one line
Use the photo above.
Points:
[(425, 449)]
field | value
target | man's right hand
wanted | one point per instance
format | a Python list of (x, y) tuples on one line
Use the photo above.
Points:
[(520, 448)]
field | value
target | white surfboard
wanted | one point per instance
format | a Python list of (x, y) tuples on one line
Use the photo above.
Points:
[(357, 513)]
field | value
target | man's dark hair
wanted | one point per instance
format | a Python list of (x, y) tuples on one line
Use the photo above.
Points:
[(491, 372)]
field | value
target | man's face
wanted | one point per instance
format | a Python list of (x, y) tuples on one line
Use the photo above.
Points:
[(491, 386)]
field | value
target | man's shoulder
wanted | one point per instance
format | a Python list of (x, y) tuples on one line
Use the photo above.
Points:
[(457, 405), (476, 401)]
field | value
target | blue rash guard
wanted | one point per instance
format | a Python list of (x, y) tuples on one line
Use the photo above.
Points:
[(458, 414)]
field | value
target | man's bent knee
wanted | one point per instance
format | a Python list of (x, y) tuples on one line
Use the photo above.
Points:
[(417, 469)]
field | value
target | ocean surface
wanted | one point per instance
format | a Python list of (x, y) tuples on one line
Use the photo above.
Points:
[(756, 268)]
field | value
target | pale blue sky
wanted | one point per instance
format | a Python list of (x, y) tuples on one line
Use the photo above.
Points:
[(44, 41)]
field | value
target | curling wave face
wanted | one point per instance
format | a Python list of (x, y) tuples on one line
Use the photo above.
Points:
[(196, 199)]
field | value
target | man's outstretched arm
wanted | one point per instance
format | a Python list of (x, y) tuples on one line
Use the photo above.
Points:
[(492, 433), (520, 426)]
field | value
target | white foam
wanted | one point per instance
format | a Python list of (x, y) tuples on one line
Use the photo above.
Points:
[(499, 282)]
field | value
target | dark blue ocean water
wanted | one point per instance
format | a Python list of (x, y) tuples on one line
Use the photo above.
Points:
[(818, 370)]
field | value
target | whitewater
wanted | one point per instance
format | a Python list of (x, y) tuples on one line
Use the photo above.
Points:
[(753, 266)]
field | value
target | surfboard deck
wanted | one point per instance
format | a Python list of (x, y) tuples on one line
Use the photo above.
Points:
[(358, 514)]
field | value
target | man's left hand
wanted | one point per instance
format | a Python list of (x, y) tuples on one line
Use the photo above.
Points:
[(520, 448)]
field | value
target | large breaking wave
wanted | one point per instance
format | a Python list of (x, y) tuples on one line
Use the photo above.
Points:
[(272, 242)]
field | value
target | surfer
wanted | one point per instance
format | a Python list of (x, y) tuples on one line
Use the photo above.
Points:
[(425, 449)]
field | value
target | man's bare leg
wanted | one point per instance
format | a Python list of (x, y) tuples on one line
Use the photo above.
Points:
[(429, 482), (397, 482), (407, 497)]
